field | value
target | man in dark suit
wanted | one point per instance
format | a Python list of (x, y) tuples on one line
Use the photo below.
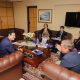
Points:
[(71, 58), (77, 44), (61, 34), (6, 46)]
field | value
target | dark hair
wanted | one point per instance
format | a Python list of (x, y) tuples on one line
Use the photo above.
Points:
[(61, 27), (11, 31), (45, 24)]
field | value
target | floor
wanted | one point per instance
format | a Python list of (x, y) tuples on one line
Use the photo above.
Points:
[(33, 73)]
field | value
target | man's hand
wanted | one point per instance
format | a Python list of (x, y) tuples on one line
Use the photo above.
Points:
[(20, 49), (57, 62), (58, 47)]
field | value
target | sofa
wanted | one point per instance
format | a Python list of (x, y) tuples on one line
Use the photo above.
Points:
[(19, 32), (56, 72), (38, 34), (11, 66)]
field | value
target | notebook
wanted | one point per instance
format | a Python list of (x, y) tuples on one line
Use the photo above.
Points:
[(37, 52)]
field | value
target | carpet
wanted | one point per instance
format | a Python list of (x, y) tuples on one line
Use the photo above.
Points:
[(33, 73)]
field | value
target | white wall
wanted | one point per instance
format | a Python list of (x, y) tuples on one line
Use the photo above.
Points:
[(60, 17), (20, 15), (59, 9)]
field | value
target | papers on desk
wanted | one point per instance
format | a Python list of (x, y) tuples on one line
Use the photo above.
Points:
[(41, 45), (58, 38), (23, 43), (31, 44)]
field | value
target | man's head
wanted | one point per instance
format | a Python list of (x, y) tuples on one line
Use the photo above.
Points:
[(66, 46), (11, 35), (61, 28), (45, 25)]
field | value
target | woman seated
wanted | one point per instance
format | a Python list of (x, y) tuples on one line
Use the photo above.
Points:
[(46, 31)]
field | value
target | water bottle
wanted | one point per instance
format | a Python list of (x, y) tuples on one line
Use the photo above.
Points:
[(37, 41)]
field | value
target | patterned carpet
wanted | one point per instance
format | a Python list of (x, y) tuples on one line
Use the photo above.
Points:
[(33, 73)]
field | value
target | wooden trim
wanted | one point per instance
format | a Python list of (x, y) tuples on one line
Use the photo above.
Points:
[(28, 14)]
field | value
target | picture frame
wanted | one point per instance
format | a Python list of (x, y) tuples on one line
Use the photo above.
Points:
[(44, 15)]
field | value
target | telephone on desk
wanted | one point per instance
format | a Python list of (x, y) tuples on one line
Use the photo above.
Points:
[(26, 54)]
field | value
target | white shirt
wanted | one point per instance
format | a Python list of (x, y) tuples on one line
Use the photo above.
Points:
[(44, 40)]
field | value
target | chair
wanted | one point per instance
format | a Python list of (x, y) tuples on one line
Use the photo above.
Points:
[(11, 66), (56, 72)]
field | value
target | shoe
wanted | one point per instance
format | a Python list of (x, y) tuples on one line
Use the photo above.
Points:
[(23, 71)]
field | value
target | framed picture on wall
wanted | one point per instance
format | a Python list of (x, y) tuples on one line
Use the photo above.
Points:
[(44, 15)]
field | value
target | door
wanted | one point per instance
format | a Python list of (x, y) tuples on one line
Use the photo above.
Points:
[(32, 18)]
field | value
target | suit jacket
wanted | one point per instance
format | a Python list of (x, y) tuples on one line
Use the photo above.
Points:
[(77, 44), (6, 47), (71, 61), (64, 34)]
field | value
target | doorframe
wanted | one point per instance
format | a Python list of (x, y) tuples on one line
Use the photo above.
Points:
[(28, 14)]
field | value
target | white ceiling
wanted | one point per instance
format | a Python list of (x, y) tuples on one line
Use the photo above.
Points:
[(11, 0), (14, 0)]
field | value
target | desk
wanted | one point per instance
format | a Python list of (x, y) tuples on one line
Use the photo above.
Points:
[(30, 57), (34, 59)]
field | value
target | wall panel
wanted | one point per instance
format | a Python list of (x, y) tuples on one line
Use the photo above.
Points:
[(6, 15)]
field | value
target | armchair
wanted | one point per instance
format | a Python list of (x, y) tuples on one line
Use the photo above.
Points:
[(56, 72), (11, 67)]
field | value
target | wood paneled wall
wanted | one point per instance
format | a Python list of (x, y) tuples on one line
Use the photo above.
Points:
[(6, 15)]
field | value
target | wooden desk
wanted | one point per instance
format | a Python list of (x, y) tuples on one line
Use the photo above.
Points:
[(34, 59), (30, 57)]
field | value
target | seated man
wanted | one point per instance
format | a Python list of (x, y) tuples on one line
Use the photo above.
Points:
[(71, 58), (6, 46), (61, 34)]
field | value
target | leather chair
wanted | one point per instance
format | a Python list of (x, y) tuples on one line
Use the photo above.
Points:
[(56, 72), (11, 66)]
